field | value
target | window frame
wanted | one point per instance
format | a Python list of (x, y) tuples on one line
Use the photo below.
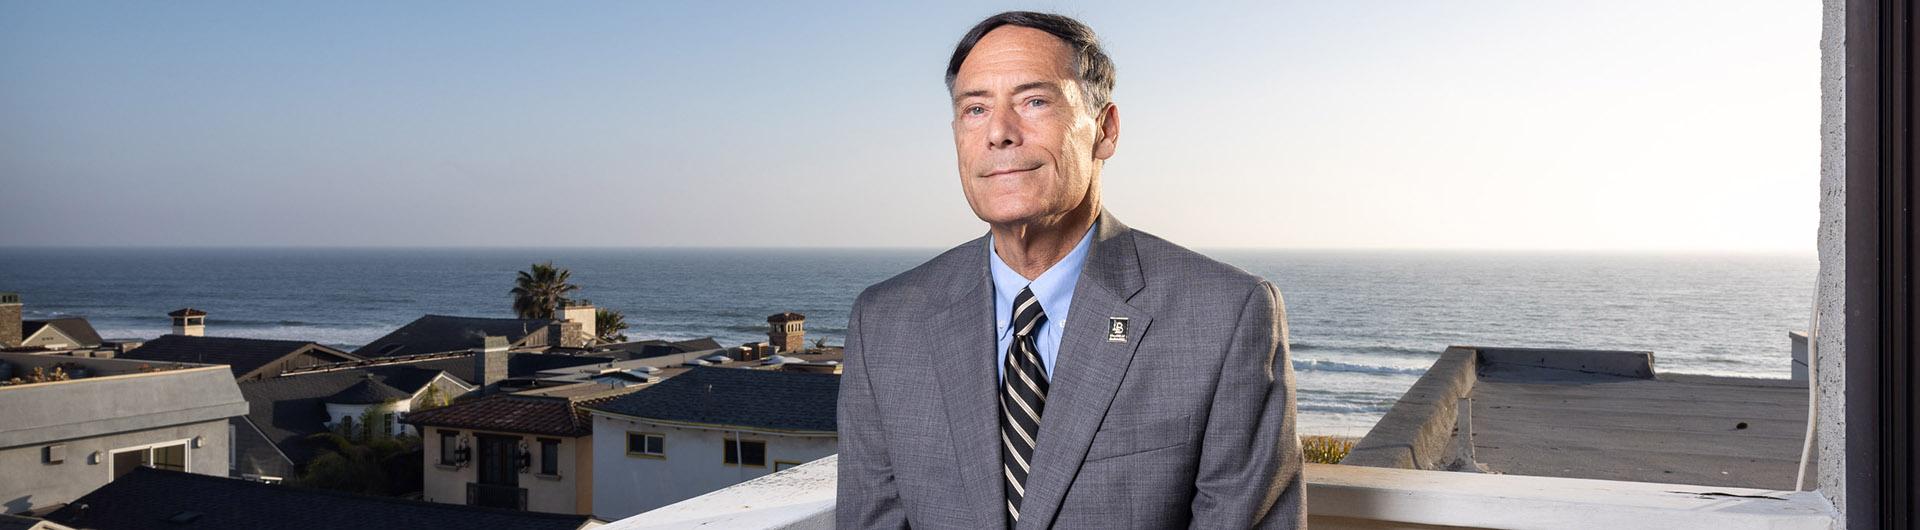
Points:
[(735, 445), (449, 445), (549, 448), (643, 453)]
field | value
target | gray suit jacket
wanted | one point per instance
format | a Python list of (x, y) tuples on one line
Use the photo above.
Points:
[(1188, 421)]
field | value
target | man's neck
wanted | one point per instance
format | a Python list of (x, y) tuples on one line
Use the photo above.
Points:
[(1033, 247)]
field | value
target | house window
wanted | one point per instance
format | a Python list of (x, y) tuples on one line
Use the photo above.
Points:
[(346, 426), (744, 452), (549, 456), (646, 444), (386, 427), (168, 457), (449, 440)]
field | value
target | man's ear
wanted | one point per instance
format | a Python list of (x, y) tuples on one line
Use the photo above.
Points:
[(1109, 135)]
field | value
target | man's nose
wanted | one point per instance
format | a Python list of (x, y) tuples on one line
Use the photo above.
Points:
[(1003, 129)]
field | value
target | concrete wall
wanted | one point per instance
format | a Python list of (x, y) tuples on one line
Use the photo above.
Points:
[(555, 494), (28, 482), (627, 485), (1830, 332)]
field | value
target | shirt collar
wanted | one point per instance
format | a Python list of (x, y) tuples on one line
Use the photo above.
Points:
[(1054, 288)]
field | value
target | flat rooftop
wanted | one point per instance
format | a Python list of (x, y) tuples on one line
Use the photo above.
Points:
[(1702, 430), (1592, 414)]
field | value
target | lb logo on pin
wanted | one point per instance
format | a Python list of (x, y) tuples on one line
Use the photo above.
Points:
[(1116, 329)]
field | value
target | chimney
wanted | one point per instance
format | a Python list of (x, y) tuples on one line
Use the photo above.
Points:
[(10, 320), (582, 313), (189, 321), (490, 364), (787, 331)]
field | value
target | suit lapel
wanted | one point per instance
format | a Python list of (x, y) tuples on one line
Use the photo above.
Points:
[(1089, 371), (967, 378)]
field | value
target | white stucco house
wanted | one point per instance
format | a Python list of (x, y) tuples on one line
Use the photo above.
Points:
[(705, 430)]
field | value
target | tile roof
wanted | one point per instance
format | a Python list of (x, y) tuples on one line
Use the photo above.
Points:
[(442, 333), (152, 498), (76, 328), (244, 355), (187, 312), (735, 397), (557, 416)]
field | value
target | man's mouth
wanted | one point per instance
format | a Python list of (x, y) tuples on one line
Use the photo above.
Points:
[(1004, 171)]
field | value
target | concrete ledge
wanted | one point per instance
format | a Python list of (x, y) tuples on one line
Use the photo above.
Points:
[(1343, 497), (1343, 494), (1415, 432), (1637, 364)]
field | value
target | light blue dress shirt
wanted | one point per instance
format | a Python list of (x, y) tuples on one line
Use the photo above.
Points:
[(1053, 289)]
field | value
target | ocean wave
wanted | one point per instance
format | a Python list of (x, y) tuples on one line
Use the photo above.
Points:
[(1344, 408), (1319, 365), (1391, 350)]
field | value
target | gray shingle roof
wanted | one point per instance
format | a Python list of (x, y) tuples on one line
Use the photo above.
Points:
[(737, 397), (76, 328), (149, 498), (442, 333), (369, 391), (244, 355)]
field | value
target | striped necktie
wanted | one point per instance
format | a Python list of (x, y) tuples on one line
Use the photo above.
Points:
[(1023, 396)]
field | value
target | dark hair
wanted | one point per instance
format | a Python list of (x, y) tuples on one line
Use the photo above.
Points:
[(1095, 70)]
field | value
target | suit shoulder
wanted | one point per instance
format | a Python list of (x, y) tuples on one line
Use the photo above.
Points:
[(1166, 261), (923, 283)]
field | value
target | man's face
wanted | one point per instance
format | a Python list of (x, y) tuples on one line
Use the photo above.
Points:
[(1029, 148)]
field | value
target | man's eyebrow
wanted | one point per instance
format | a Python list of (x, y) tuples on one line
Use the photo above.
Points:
[(1023, 87)]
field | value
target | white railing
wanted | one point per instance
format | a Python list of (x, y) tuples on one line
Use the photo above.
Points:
[(1345, 497)]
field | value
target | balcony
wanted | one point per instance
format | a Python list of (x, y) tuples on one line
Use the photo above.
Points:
[(1344, 497)]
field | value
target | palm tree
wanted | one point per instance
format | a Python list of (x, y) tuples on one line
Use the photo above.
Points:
[(610, 324), (540, 290)]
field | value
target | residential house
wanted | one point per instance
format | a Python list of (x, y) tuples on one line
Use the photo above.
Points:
[(250, 359), (154, 498), (272, 440), (443, 333), (70, 424), (69, 333), (706, 429), (66, 333), (531, 450)]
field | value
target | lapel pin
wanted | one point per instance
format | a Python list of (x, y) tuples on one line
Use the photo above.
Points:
[(1116, 329)]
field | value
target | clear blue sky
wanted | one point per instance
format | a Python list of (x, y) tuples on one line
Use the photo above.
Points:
[(1509, 125)]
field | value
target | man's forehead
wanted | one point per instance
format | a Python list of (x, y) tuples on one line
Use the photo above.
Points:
[(1012, 56)]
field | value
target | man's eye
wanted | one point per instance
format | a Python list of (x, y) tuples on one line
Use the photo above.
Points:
[(974, 111), (1036, 103)]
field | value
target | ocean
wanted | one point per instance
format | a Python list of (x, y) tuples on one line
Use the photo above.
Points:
[(1364, 324)]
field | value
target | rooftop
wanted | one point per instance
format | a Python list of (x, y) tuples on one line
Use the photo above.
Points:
[(244, 355), (443, 333), (1592, 414), (734, 397), (117, 395), (152, 498), (76, 328), (519, 413)]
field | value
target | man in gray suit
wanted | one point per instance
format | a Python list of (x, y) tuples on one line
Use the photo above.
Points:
[(1063, 370)]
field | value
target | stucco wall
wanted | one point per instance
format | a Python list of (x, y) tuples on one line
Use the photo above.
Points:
[(1830, 339), (627, 485), (554, 494), (27, 482)]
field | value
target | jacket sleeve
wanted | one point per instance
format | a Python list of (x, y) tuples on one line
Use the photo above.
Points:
[(1250, 458), (866, 495)]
